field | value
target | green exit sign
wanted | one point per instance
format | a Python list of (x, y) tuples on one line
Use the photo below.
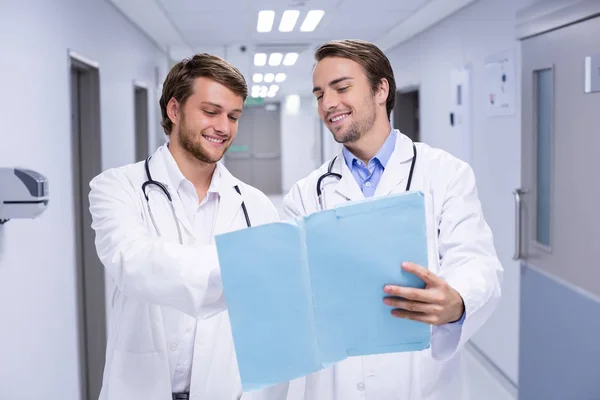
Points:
[(253, 101)]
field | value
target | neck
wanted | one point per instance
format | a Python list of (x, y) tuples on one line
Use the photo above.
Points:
[(194, 170), (370, 142)]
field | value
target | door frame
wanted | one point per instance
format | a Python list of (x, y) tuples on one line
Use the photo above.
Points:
[(415, 87), (89, 272)]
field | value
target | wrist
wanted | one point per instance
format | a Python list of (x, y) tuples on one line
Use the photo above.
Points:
[(460, 308)]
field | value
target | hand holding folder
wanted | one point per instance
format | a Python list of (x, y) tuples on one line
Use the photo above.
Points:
[(302, 296)]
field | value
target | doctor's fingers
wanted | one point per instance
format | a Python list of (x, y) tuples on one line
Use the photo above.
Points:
[(414, 306), (429, 295), (430, 319)]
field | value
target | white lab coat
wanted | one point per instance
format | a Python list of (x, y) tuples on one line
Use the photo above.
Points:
[(463, 254), (158, 282)]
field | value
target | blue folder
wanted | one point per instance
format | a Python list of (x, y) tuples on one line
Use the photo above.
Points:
[(306, 294)]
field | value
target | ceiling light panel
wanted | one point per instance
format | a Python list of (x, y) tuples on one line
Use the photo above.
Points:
[(275, 59), (265, 21), (288, 20), (260, 59), (312, 19), (290, 59)]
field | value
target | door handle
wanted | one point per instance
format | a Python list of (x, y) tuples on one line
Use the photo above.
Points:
[(518, 223)]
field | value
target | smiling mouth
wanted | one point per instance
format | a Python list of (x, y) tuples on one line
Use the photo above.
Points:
[(214, 140), (338, 118)]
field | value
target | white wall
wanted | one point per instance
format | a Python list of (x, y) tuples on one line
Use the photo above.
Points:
[(38, 332), (300, 140), (468, 37)]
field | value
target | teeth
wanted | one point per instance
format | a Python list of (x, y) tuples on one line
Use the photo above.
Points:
[(338, 118), (214, 140)]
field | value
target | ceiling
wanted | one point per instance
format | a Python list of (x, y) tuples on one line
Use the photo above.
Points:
[(228, 28)]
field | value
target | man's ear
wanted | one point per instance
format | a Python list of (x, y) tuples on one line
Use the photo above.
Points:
[(173, 110), (383, 90)]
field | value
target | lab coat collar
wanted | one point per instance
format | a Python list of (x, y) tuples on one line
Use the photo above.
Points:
[(396, 172), (398, 169), (229, 200)]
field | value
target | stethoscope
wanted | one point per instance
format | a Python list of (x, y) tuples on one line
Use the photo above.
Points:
[(339, 176), (164, 189)]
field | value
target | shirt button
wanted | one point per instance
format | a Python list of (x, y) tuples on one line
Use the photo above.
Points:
[(360, 386), (173, 346), (368, 184)]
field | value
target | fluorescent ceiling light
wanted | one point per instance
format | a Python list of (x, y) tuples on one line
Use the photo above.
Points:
[(280, 77), (255, 88), (255, 94), (312, 20), (265, 20), (257, 78), (269, 77), (273, 88), (260, 59), (275, 59), (288, 20), (271, 94), (263, 91), (290, 59)]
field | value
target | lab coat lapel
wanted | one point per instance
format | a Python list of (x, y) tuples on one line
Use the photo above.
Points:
[(398, 167), (158, 169), (230, 201), (346, 186)]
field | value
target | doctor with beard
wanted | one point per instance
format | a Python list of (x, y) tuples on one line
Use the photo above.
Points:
[(155, 223), (354, 85)]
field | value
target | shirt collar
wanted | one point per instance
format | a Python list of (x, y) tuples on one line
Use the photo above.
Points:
[(383, 155), (177, 178)]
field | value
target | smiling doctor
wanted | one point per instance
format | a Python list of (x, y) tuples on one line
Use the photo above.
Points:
[(355, 89), (155, 221)]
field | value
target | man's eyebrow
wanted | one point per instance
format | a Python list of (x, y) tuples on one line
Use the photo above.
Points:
[(333, 82), (210, 103)]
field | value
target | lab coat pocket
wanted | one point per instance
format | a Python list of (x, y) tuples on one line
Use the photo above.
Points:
[(139, 376)]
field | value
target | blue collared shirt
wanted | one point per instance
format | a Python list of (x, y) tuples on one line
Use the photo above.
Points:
[(368, 176)]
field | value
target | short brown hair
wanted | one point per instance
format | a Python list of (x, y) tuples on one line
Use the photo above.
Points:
[(370, 57), (180, 81)]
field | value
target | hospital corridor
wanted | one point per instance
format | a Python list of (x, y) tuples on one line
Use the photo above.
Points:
[(299, 200)]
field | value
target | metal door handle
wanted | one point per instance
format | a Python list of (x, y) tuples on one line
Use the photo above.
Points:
[(518, 222)]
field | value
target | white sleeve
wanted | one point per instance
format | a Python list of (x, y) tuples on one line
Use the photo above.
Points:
[(146, 267), (468, 263)]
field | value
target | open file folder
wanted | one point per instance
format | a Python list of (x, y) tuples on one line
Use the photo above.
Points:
[(302, 296)]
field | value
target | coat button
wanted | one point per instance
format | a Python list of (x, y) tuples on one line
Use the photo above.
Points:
[(360, 386)]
